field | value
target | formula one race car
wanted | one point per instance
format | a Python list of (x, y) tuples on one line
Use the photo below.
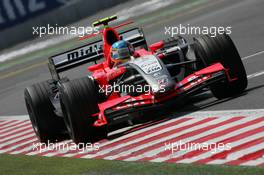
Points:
[(153, 76)]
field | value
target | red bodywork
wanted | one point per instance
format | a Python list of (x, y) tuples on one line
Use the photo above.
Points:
[(104, 72)]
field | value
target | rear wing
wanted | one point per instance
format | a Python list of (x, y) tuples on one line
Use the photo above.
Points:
[(90, 52)]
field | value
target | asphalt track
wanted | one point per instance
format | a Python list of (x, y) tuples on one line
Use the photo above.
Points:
[(246, 19)]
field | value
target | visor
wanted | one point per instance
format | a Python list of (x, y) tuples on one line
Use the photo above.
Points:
[(122, 53)]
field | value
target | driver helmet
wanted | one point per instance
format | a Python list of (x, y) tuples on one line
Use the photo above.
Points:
[(121, 51)]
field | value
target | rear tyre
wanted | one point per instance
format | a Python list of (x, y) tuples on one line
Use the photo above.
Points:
[(47, 125), (79, 101), (222, 49)]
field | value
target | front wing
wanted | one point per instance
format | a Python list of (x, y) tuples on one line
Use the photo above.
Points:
[(117, 110)]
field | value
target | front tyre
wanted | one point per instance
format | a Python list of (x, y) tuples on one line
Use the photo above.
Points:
[(221, 49)]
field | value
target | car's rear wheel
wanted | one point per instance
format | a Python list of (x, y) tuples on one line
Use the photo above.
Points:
[(79, 101), (47, 125), (221, 49)]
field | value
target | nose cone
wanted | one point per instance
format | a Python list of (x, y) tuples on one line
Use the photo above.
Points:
[(163, 85)]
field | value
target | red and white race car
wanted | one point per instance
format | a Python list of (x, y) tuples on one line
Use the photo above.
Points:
[(160, 73)]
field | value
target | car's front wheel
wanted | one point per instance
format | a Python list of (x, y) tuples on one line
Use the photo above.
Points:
[(221, 49)]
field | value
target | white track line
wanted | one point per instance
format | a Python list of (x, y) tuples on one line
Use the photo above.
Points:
[(203, 114), (31, 149), (125, 136), (253, 162), (130, 135), (234, 133), (14, 117), (16, 140), (4, 125), (49, 154), (104, 151), (142, 8), (27, 149), (218, 139), (16, 126), (13, 148), (233, 144), (160, 132), (226, 113), (255, 54), (238, 154), (24, 128), (256, 74), (189, 139), (59, 151), (17, 135)]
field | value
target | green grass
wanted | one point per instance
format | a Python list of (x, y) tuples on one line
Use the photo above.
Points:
[(18, 164)]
